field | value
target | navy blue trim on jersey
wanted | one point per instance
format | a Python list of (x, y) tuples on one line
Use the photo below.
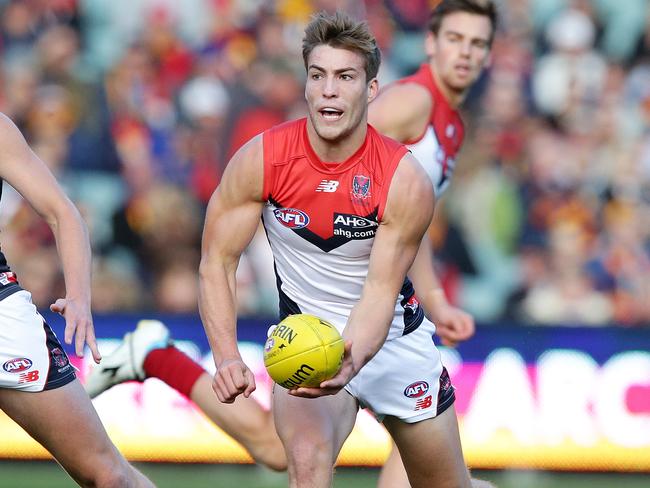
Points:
[(413, 313), (10, 289), (446, 392), (61, 371), (287, 305)]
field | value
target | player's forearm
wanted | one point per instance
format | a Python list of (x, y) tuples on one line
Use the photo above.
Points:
[(217, 306), (368, 325), (422, 273), (73, 245)]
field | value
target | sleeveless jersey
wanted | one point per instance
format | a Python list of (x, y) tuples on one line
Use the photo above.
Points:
[(8, 281), (321, 219), (438, 146)]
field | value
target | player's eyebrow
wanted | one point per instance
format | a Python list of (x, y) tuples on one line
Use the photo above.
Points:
[(336, 71), (461, 35)]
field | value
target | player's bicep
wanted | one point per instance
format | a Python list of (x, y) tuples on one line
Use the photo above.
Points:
[(408, 213), (235, 207)]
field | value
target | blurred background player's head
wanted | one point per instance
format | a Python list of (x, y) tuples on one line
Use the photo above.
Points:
[(459, 41), (481, 8)]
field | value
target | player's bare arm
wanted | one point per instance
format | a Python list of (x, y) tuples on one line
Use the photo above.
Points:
[(401, 111), (409, 209), (32, 179), (232, 217), (453, 325)]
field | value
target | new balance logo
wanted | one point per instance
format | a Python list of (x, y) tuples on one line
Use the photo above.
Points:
[(327, 186), (423, 403)]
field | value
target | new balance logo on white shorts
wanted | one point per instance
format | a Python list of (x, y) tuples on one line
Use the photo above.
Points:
[(327, 186)]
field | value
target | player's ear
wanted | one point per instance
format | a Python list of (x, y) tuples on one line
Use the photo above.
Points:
[(488, 60), (373, 89), (430, 44)]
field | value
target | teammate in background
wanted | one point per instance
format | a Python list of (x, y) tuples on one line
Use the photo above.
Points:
[(457, 45), (38, 386), (421, 111), (357, 283)]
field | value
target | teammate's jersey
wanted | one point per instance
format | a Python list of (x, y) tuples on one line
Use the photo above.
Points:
[(438, 146), (8, 282), (321, 219)]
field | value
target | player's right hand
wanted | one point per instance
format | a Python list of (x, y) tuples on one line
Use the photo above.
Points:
[(453, 325), (78, 325), (346, 372), (232, 379)]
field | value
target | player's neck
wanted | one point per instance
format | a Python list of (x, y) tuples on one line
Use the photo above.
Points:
[(453, 97), (337, 151)]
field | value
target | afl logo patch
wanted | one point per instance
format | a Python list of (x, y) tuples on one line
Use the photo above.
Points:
[(291, 217), (17, 365), (416, 390)]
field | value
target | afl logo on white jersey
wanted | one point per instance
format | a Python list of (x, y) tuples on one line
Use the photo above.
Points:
[(291, 217)]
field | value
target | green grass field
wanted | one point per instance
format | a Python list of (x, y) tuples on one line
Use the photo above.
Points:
[(48, 475)]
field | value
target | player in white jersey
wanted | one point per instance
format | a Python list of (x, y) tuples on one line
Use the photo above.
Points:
[(333, 143), (421, 110), (38, 387)]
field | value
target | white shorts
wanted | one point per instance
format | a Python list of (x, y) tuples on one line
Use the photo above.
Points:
[(405, 379), (31, 357)]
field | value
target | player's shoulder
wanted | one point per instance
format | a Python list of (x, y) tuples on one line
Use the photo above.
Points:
[(419, 85), (401, 110), (411, 194), (289, 132), (7, 127), (413, 174), (407, 94), (251, 150), (285, 141)]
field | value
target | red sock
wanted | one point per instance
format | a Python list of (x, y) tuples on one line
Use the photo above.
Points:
[(174, 368)]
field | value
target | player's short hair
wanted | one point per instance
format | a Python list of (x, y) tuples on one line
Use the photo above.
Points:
[(341, 31), (485, 8)]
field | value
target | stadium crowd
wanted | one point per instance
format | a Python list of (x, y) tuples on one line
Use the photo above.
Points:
[(136, 105)]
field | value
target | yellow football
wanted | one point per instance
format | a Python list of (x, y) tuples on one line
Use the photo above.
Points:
[(303, 350)]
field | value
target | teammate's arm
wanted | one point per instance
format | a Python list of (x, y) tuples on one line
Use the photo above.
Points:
[(32, 179), (401, 111), (453, 325), (409, 209), (232, 217)]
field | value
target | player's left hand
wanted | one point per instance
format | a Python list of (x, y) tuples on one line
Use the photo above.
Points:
[(233, 378), (453, 325), (78, 324), (334, 384)]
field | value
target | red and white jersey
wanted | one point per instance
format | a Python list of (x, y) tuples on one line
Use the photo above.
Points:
[(321, 219), (438, 146)]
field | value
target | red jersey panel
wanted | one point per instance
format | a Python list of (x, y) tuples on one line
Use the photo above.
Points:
[(438, 147), (321, 219)]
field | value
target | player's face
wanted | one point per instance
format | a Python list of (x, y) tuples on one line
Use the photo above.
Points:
[(460, 50), (337, 92)]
